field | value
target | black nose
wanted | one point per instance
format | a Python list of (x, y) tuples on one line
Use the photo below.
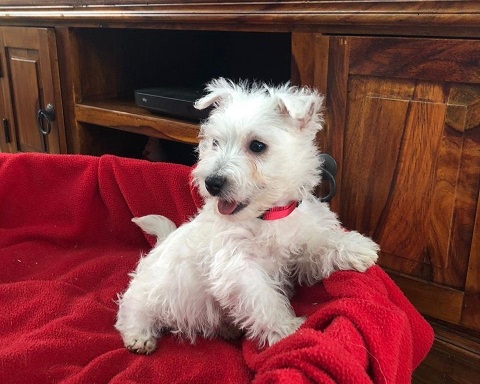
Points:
[(214, 184)]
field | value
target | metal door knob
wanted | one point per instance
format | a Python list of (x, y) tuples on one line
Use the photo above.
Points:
[(45, 118)]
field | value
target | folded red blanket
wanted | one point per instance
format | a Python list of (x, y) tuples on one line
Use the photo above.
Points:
[(67, 245)]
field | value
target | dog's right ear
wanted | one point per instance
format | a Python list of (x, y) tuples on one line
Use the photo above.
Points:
[(218, 90), (301, 105)]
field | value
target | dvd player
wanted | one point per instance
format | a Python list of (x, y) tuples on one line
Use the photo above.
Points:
[(172, 101)]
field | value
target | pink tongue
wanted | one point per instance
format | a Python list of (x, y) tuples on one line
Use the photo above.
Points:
[(226, 207)]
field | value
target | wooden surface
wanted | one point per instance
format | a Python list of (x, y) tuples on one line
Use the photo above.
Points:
[(454, 358), (30, 82), (442, 18), (128, 117), (407, 133), (471, 312), (403, 122)]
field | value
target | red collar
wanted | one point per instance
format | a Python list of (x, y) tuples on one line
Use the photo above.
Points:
[(276, 213)]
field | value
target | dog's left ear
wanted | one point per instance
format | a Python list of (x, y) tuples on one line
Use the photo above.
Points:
[(302, 107), (218, 90), (207, 100)]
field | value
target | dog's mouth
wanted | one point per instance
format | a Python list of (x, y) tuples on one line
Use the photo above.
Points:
[(230, 207)]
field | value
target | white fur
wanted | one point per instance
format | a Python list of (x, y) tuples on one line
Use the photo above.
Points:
[(224, 271)]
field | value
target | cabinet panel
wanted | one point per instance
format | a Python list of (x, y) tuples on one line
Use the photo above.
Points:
[(421, 59), (405, 127), (30, 83), (25, 98), (412, 164)]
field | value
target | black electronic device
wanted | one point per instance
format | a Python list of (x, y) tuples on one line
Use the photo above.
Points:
[(172, 101)]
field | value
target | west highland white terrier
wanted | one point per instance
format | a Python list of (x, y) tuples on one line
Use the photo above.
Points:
[(232, 268)]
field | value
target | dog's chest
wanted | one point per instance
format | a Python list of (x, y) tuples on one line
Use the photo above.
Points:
[(255, 242)]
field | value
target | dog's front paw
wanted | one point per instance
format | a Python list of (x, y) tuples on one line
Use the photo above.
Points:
[(365, 250), (141, 345), (283, 330)]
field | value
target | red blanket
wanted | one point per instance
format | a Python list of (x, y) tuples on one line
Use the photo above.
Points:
[(67, 245)]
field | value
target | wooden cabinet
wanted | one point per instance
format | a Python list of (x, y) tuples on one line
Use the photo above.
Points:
[(403, 121), (29, 84)]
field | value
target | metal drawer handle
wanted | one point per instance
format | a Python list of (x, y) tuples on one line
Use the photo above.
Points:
[(45, 118)]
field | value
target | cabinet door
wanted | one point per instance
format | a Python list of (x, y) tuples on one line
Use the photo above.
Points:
[(30, 82), (403, 121)]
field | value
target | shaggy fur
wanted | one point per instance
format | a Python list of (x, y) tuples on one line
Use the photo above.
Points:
[(227, 270)]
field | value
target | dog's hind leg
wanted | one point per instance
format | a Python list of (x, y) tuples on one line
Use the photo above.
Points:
[(136, 324)]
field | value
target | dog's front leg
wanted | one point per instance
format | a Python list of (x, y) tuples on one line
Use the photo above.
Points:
[(254, 300), (335, 249)]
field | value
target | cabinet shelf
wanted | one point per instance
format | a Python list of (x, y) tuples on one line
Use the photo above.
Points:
[(126, 116)]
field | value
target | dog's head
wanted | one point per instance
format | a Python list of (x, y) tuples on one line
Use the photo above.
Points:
[(257, 148)]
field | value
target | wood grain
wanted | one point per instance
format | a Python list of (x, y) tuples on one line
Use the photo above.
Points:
[(449, 60), (23, 72), (310, 67), (454, 358), (303, 61), (410, 175), (438, 302), (410, 165), (336, 107), (67, 77), (470, 315), (128, 117), (31, 82), (389, 17)]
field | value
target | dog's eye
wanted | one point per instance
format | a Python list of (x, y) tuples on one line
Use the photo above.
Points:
[(215, 143), (257, 146)]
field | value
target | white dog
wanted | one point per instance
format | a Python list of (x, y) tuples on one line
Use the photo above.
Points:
[(261, 229)]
